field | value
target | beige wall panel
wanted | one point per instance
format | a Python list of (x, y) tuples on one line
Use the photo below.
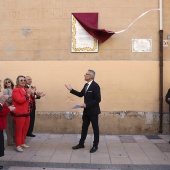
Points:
[(125, 85), (167, 51), (128, 13), (24, 34), (26, 4), (21, 45), (119, 24), (166, 28), (121, 3), (52, 3), (39, 30)]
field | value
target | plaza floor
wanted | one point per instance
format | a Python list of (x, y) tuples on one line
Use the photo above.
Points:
[(116, 152)]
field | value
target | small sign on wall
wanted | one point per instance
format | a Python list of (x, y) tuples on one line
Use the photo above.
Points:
[(141, 45), (165, 43)]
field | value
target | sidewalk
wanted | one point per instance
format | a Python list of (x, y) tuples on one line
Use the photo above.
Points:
[(117, 152)]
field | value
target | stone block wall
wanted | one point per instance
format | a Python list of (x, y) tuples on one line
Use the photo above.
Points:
[(122, 122)]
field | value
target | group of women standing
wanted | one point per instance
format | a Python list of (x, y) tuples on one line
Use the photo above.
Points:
[(15, 112)]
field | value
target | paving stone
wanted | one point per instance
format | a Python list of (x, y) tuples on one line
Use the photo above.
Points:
[(153, 137), (164, 147), (127, 139)]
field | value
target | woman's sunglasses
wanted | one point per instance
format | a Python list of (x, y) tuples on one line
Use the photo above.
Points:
[(22, 80), (7, 82)]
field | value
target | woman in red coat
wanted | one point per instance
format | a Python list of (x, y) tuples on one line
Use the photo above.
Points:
[(4, 110), (21, 97)]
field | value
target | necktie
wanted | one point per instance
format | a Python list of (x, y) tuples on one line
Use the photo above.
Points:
[(86, 86)]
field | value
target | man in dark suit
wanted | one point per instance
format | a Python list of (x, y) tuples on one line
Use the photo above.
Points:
[(92, 98), (37, 95), (167, 99)]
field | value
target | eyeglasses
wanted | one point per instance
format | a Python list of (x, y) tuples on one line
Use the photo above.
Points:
[(22, 80), (7, 82), (87, 74)]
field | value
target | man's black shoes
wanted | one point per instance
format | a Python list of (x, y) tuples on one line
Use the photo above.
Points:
[(31, 135), (1, 167), (93, 149), (78, 146)]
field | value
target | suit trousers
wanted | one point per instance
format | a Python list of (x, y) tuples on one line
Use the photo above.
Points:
[(32, 121), (86, 122), (1, 143), (10, 130)]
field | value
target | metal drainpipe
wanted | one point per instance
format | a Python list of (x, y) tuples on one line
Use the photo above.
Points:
[(161, 80)]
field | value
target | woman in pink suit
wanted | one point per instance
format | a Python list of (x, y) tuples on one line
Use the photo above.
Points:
[(21, 97)]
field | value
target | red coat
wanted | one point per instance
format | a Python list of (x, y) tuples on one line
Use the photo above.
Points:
[(20, 101), (3, 118)]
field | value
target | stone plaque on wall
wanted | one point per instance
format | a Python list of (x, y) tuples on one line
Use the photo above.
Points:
[(141, 45), (82, 41)]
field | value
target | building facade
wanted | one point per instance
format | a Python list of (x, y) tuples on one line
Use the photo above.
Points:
[(36, 41)]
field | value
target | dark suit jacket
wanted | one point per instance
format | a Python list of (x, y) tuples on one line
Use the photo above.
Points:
[(36, 97), (92, 98), (166, 98)]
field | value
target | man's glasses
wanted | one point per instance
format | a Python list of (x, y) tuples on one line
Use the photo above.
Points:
[(87, 74), (7, 82), (22, 80)]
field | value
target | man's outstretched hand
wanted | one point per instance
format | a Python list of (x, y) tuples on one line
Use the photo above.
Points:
[(68, 87)]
